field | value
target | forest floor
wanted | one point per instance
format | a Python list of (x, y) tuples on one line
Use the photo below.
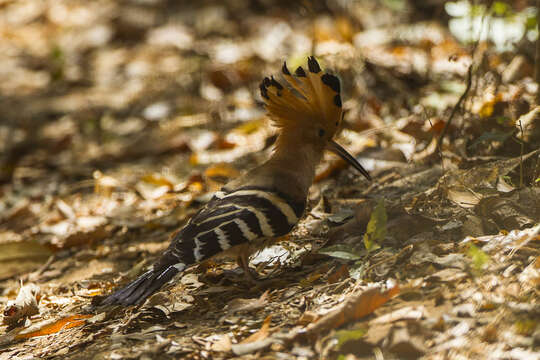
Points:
[(118, 120)]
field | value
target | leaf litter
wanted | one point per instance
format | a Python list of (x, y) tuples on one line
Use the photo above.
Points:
[(140, 111)]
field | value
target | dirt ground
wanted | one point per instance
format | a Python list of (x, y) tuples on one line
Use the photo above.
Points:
[(119, 119)]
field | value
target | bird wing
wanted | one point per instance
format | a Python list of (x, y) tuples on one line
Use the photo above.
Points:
[(230, 218), (234, 217)]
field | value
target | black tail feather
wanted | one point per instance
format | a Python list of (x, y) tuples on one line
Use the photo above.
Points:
[(141, 288)]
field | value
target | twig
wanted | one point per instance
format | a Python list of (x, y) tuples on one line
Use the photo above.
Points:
[(522, 147), (456, 107)]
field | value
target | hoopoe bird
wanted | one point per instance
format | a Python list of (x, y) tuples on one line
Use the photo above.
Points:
[(268, 201)]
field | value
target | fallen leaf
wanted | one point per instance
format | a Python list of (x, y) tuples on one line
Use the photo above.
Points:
[(526, 327), (157, 180), (344, 336), (356, 307), (376, 228), (405, 313), (344, 252), (462, 196), (308, 317), (221, 170), (57, 326), (237, 305), (25, 305), (448, 275), (479, 258), (354, 343), (222, 345), (341, 273), (150, 191), (248, 348), (104, 184), (262, 334)]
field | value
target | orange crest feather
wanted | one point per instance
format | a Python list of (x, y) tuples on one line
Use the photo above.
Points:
[(312, 97)]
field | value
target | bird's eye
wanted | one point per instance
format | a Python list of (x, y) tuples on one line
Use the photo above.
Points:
[(321, 132)]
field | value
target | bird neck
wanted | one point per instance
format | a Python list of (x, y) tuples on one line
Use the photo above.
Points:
[(290, 169), (297, 158)]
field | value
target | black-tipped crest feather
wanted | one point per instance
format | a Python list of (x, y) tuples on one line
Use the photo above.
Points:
[(305, 98), (337, 100), (264, 92), (313, 65), (276, 84), (284, 69), (332, 81)]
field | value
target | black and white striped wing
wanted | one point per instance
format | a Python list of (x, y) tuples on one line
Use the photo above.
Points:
[(231, 218), (236, 217)]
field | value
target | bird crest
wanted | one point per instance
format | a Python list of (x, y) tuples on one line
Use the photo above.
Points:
[(308, 99)]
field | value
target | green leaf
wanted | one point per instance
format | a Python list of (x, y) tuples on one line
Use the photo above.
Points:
[(478, 257), (376, 228), (343, 336), (340, 252), (500, 8), (341, 217), (530, 22)]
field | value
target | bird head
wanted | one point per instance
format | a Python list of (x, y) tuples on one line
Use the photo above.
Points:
[(307, 108)]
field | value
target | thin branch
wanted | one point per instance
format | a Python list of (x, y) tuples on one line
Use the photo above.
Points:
[(456, 107), (522, 146)]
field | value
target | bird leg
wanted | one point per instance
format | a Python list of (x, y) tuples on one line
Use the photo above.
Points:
[(242, 259)]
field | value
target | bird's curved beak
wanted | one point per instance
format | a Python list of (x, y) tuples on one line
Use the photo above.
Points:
[(339, 150)]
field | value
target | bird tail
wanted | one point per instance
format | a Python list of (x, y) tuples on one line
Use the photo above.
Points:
[(146, 284)]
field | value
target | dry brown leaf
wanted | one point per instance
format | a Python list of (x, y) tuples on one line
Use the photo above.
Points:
[(308, 317), (262, 334), (405, 313), (222, 345), (463, 196), (237, 305), (341, 273), (358, 306)]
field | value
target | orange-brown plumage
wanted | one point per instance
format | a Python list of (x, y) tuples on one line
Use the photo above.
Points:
[(308, 100)]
